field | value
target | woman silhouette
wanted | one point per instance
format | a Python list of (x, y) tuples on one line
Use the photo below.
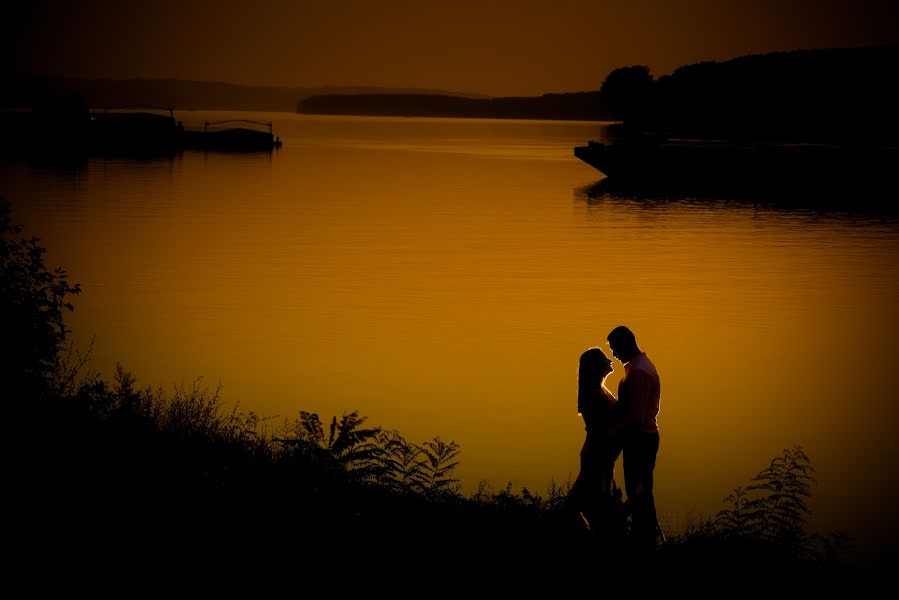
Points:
[(594, 493)]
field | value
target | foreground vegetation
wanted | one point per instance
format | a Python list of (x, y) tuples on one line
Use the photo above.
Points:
[(128, 487)]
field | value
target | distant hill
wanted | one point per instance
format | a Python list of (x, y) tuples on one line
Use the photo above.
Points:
[(574, 106), (26, 91), (826, 95), (66, 94)]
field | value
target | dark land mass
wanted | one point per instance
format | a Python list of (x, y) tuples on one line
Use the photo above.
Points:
[(816, 124), (576, 106), (839, 95)]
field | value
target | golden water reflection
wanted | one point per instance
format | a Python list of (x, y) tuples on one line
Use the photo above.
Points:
[(442, 277)]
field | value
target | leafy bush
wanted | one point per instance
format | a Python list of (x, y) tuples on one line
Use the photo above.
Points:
[(32, 303)]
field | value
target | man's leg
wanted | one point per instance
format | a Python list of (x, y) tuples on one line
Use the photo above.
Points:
[(639, 463)]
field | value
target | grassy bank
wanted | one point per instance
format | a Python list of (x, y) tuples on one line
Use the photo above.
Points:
[(121, 487)]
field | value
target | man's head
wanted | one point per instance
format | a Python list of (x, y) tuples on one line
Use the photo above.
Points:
[(623, 344)]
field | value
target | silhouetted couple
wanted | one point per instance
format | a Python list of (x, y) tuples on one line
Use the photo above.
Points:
[(626, 425)]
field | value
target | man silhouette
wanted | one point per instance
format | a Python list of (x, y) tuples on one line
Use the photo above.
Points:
[(639, 393)]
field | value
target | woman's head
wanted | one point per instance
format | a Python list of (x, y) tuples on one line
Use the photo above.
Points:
[(593, 367)]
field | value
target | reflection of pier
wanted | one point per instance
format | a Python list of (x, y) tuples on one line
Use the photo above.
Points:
[(234, 139), (716, 165)]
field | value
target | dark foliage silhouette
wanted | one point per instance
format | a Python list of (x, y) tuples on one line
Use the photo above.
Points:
[(33, 300), (828, 95), (762, 530), (773, 508), (626, 92)]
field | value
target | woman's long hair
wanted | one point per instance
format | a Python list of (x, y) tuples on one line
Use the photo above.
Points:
[(592, 369)]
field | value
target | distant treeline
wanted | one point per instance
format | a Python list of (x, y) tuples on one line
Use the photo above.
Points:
[(827, 95), (586, 106), (19, 90)]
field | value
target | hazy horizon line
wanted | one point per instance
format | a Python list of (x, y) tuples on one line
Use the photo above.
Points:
[(393, 89)]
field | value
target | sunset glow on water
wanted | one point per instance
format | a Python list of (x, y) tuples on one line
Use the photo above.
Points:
[(443, 276)]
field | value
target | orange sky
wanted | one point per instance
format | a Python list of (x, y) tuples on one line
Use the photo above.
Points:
[(495, 47)]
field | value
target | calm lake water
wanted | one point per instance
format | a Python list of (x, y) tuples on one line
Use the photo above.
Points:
[(443, 276)]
